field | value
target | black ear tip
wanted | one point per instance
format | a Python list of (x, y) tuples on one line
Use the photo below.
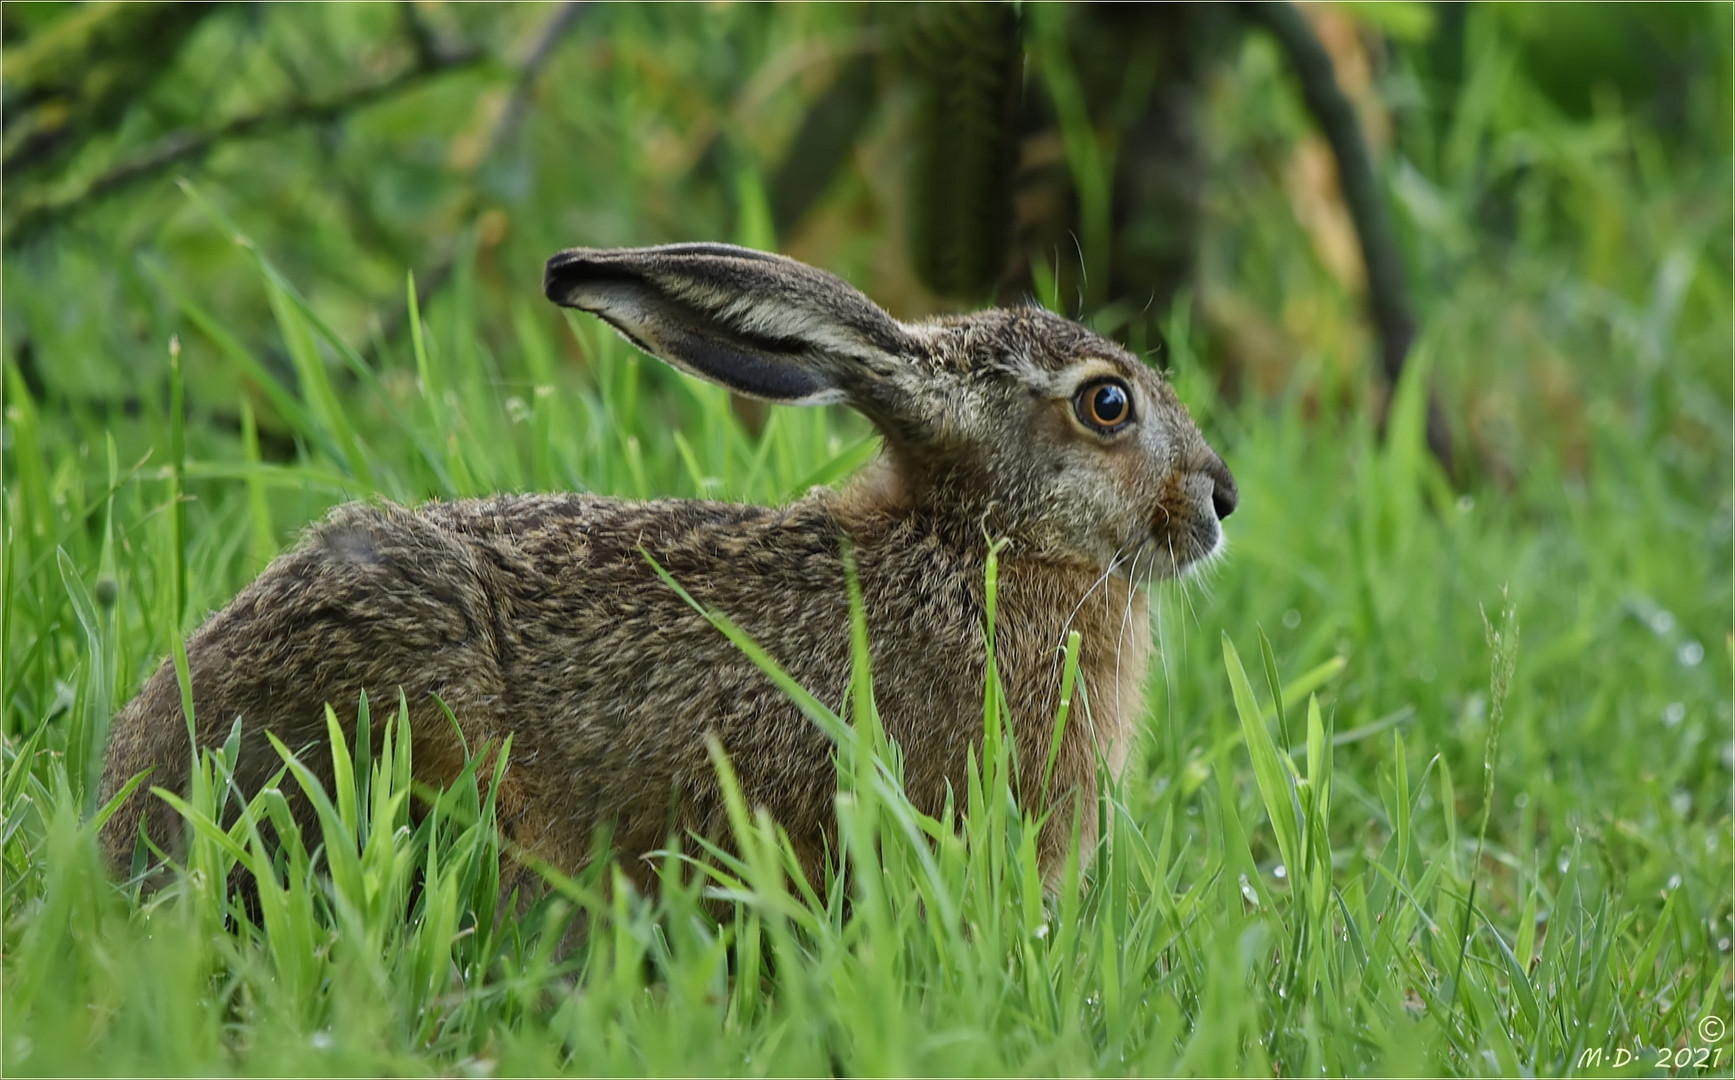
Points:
[(556, 276), (566, 270)]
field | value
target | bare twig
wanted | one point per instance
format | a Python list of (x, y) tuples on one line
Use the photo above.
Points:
[(506, 130), (189, 147), (421, 35), (78, 75), (185, 146), (529, 68), (1388, 298)]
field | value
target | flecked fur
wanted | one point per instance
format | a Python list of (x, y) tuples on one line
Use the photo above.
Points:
[(539, 615)]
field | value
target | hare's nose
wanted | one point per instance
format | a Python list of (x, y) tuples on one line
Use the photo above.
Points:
[(1224, 497)]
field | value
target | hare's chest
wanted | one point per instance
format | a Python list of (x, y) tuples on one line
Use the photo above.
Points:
[(1107, 688), (1116, 672)]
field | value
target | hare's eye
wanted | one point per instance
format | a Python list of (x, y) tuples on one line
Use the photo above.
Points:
[(1105, 406)]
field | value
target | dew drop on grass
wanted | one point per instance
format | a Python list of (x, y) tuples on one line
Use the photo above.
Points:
[(1674, 881), (1521, 800), (321, 1040), (1673, 713), (1662, 621), (1723, 944), (1690, 653), (1681, 802), (1466, 504), (1247, 892), (1291, 619), (1281, 872)]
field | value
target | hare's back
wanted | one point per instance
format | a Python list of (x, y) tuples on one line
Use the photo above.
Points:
[(563, 557), (587, 636), (546, 615)]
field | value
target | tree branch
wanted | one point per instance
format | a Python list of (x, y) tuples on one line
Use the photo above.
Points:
[(535, 58), (182, 147), (506, 130), (1388, 298), (81, 73)]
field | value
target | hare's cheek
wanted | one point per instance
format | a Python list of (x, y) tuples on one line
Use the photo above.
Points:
[(1100, 489), (1135, 485)]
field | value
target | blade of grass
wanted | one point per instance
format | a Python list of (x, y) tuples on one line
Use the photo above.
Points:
[(1276, 782)]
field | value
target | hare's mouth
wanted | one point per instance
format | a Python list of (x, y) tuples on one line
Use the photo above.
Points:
[(1186, 532), (1180, 545)]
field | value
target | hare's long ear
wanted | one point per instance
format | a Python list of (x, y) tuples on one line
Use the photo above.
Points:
[(760, 324)]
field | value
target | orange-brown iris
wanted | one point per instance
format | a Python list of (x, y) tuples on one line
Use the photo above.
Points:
[(1105, 406)]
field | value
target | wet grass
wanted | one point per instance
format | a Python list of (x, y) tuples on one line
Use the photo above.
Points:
[(1435, 778)]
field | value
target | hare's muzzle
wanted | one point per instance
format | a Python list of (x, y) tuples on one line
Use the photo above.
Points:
[(1224, 497), (1188, 525)]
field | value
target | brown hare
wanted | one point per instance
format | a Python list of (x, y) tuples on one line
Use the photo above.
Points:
[(540, 615)]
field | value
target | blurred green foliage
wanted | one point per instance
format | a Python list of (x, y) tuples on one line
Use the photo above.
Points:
[(378, 138), (1561, 186)]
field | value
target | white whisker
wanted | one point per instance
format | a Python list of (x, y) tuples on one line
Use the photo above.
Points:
[(1172, 744), (1125, 621), (1119, 558)]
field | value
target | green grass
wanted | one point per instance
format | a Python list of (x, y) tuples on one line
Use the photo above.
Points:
[(1434, 780)]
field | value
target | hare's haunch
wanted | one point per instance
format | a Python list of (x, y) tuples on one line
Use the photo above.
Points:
[(539, 616)]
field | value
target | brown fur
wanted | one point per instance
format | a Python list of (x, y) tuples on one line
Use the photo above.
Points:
[(539, 616)]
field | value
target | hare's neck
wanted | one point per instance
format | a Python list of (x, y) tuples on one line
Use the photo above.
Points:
[(1039, 601), (956, 512), (1040, 604)]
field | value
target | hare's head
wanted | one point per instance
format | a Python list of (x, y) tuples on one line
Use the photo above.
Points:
[(1011, 423)]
